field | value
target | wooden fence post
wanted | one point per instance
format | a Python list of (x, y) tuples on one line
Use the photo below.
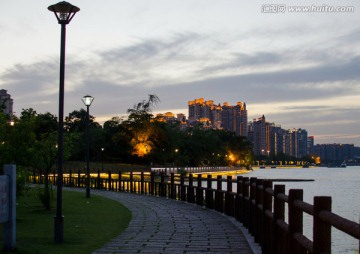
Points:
[(219, 198), (98, 180), (267, 210), (238, 205), (246, 201), (110, 180), (209, 199), (321, 229), (229, 198), (258, 210), (162, 185), (199, 191), (142, 182), (279, 243), (191, 198), (121, 188), (131, 182), (252, 208), (70, 179), (152, 183), (172, 186), (79, 179), (182, 187), (295, 219)]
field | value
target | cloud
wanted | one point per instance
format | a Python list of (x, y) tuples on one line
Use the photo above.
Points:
[(312, 85), (148, 49), (31, 80), (350, 37)]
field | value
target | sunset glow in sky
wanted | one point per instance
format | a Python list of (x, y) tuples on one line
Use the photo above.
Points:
[(300, 69)]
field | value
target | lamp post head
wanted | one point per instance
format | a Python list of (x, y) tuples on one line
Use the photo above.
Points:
[(64, 11), (87, 99)]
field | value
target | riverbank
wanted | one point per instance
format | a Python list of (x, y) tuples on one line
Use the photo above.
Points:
[(231, 172)]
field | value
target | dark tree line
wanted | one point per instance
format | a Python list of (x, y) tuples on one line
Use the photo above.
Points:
[(138, 138)]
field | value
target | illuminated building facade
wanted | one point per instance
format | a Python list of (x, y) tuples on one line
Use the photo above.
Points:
[(227, 117), (169, 117)]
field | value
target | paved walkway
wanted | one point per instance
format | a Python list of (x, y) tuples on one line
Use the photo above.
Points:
[(161, 225)]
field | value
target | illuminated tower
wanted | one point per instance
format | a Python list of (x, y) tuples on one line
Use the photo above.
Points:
[(227, 117)]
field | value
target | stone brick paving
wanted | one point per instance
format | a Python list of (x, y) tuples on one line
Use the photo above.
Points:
[(161, 225)]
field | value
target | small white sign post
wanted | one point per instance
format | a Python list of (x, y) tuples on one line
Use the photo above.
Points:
[(8, 206)]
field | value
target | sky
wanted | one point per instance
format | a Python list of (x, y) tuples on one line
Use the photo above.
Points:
[(301, 69)]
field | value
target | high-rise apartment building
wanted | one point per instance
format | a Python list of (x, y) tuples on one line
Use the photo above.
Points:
[(259, 135), (296, 143), (6, 103), (228, 117), (310, 145), (335, 152), (270, 139), (278, 138)]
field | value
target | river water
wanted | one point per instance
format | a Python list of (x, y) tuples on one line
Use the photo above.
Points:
[(342, 184)]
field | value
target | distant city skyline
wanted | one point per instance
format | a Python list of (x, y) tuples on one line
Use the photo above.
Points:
[(298, 68)]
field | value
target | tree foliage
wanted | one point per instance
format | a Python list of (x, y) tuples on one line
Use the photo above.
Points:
[(137, 138), (31, 142)]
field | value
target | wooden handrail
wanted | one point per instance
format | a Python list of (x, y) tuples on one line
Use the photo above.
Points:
[(256, 203), (345, 225), (305, 207)]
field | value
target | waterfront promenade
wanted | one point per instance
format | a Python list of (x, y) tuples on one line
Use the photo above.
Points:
[(161, 225)]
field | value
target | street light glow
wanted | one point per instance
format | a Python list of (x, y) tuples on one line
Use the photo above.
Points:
[(87, 99)]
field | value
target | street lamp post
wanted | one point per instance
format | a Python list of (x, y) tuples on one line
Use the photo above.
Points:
[(87, 99), (102, 159), (176, 159), (64, 12)]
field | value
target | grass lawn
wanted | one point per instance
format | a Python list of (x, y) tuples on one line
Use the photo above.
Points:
[(88, 224)]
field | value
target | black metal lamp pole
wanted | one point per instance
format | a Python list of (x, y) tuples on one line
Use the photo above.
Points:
[(102, 159), (87, 99), (64, 12)]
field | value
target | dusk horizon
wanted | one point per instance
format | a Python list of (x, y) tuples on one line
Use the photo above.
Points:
[(298, 67)]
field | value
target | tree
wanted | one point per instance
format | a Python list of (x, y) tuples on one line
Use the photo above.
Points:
[(32, 143), (44, 158), (141, 112), (76, 120), (116, 140), (18, 139), (240, 151), (140, 123), (75, 124), (45, 123)]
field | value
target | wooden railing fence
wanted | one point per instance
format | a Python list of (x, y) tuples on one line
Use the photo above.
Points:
[(257, 204)]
